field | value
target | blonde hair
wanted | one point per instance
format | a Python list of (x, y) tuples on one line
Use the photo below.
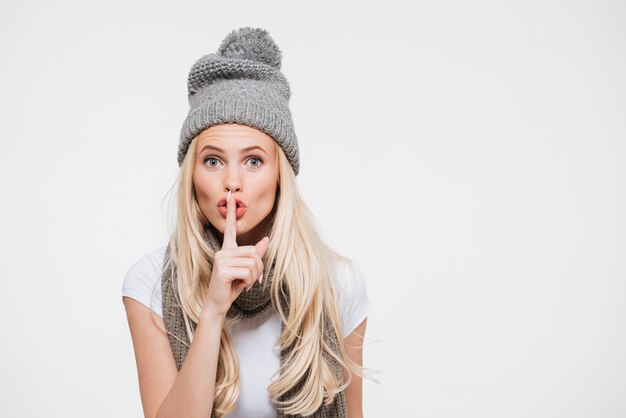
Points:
[(304, 264)]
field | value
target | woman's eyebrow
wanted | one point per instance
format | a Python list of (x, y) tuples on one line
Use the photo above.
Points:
[(209, 146)]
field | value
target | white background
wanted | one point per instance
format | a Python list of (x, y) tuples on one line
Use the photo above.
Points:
[(468, 155)]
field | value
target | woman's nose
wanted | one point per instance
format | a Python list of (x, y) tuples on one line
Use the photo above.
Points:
[(232, 181), (232, 187)]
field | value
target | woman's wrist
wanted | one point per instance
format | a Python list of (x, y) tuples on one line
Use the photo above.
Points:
[(211, 316)]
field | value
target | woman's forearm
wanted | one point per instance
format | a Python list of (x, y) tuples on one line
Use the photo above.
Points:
[(193, 390)]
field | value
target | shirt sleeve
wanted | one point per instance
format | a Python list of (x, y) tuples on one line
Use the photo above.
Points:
[(143, 280), (353, 303)]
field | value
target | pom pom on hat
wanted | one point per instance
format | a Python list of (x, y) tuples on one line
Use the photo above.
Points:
[(253, 44)]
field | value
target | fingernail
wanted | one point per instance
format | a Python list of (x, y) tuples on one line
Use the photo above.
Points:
[(248, 289), (261, 278), (228, 197)]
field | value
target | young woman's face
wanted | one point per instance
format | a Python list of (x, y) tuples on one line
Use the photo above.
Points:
[(243, 160)]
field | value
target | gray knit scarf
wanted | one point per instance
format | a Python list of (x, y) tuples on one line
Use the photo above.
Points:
[(247, 305)]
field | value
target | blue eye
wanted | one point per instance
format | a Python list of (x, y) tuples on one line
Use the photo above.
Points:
[(208, 159), (258, 159)]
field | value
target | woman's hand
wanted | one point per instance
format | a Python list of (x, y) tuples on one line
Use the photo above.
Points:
[(234, 267)]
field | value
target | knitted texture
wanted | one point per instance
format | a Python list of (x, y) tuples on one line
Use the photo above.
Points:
[(247, 305), (241, 83)]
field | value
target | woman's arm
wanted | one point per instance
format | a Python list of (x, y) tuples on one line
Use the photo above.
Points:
[(190, 391), (354, 391), (166, 392)]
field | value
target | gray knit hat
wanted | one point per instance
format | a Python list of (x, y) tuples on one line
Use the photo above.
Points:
[(242, 83)]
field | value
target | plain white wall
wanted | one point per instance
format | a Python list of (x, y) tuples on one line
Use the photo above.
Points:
[(469, 155)]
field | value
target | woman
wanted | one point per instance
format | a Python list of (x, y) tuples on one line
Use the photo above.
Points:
[(291, 342)]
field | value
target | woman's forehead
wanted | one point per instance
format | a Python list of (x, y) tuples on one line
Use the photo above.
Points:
[(234, 136)]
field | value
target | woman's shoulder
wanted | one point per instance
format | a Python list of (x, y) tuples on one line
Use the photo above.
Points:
[(142, 281), (153, 257), (349, 275), (347, 268), (352, 299)]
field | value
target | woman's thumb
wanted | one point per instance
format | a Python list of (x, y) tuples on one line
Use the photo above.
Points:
[(262, 245)]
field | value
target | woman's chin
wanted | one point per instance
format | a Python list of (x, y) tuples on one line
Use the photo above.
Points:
[(242, 226)]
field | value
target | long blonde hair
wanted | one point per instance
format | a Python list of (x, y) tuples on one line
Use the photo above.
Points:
[(303, 263)]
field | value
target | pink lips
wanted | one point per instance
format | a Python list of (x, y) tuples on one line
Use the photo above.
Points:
[(239, 211), (222, 202), (241, 207)]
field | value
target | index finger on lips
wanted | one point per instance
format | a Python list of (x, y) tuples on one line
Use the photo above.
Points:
[(230, 230)]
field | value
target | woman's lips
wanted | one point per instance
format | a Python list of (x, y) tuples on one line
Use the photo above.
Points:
[(240, 211), (222, 202), (241, 207)]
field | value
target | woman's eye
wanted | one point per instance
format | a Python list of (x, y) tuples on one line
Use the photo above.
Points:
[(256, 159), (208, 159)]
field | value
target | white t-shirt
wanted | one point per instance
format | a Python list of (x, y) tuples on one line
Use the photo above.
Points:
[(254, 338)]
